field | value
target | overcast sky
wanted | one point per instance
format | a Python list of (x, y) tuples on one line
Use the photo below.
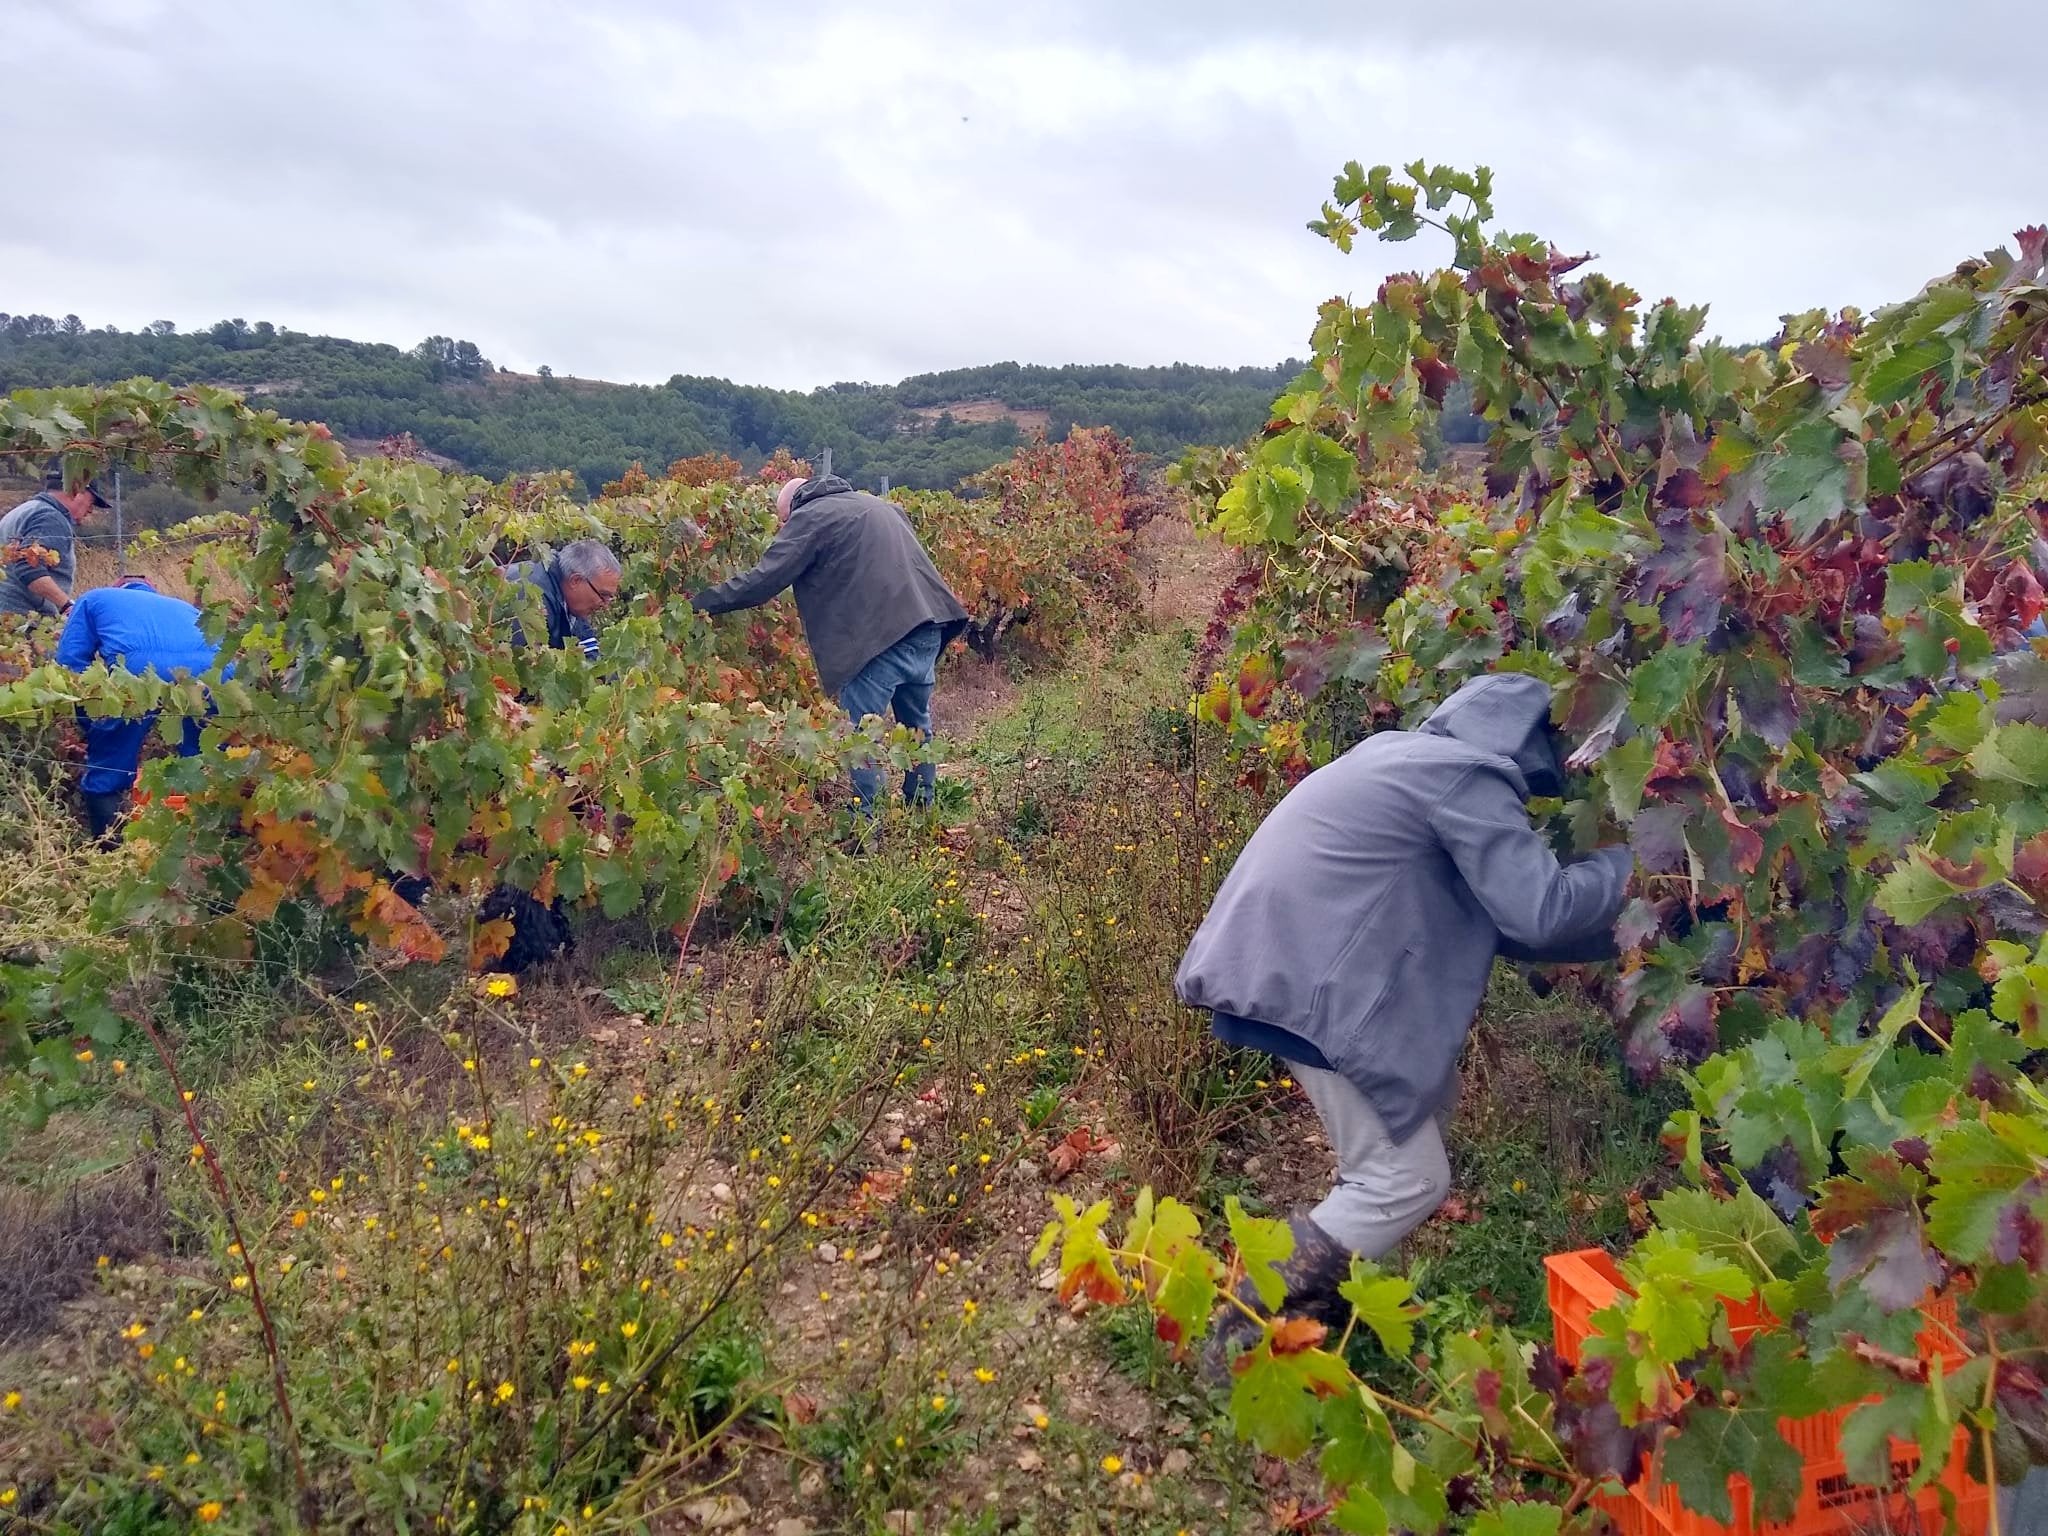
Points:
[(798, 193)]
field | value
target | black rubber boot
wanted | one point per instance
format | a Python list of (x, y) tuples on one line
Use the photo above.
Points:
[(1318, 1266)]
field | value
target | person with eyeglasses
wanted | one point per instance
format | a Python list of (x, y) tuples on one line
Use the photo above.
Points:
[(574, 585)]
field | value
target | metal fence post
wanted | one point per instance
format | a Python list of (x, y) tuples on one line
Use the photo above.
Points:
[(824, 462), (120, 534)]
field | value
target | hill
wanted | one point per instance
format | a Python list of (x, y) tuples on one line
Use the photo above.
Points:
[(927, 431)]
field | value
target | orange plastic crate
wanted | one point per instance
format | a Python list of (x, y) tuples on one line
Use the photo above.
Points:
[(1588, 1280)]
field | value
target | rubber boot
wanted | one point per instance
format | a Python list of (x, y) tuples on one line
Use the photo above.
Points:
[(1318, 1266)]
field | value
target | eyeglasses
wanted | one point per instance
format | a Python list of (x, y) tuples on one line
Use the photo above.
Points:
[(599, 592)]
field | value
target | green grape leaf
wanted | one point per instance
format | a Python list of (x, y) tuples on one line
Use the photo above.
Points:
[(1660, 687), (1678, 1289), (1361, 1514), (1520, 1519), (1262, 1246), (1624, 770), (1712, 1443), (1989, 1195), (1960, 721), (2013, 754), (1914, 890), (1188, 1294), (1384, 1303), (1898, 375), (1276, 1399), (2019, 998), (1741, 1229)]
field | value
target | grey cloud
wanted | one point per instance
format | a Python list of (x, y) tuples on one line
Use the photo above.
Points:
[(789, 193)]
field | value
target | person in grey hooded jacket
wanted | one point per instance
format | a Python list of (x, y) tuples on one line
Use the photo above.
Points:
[(1354, 937), (875, 610)]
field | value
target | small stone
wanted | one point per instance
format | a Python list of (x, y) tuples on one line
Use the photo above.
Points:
[(1177, 1461), (1030, 1461), (1025, 1171), (1049, 1278), (828, 1253), (902, 1522), (792, 1528), (721, 1193), (718, 1512), (811, 1484), (869, 1255), (1253, 1167), (789, 1288)]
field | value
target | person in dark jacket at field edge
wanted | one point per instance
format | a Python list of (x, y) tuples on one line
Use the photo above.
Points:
[(876, 612), (1354, 937)]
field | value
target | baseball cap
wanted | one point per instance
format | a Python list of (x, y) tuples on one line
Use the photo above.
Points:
[(53, 480)]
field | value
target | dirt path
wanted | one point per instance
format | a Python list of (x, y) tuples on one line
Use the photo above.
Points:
[(1180, 575)]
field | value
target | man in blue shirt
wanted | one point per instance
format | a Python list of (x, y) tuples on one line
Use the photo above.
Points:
[(138, 629)]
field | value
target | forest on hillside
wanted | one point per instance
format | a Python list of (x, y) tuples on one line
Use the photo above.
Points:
[(455, 403)]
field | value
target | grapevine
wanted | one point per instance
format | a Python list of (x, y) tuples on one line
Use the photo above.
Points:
[(1784, 594)]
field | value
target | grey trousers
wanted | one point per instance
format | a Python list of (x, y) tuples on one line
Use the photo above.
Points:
[(1385, 1189)]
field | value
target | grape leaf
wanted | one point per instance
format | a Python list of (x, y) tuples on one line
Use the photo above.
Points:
[(1519, 1519), (1889, 1254), (1660, 687), (1275, 1400), (1384, 1303), (1899, 373), (1624, 770), (1262, 1246), (2013, 754), (1713, 1443), (1658, 837), (1982, 1170), (1914, 890), (1741, 1229)]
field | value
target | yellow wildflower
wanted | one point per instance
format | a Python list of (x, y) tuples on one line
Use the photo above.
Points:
[(1112, 1465)]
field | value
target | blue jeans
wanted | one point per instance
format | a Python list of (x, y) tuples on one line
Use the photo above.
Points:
[(898, 682)]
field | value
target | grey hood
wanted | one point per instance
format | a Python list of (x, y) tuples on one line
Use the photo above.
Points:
[(1364, 915), (1506, 714)]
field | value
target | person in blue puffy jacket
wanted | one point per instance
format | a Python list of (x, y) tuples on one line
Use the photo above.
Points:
[(138, 629)]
